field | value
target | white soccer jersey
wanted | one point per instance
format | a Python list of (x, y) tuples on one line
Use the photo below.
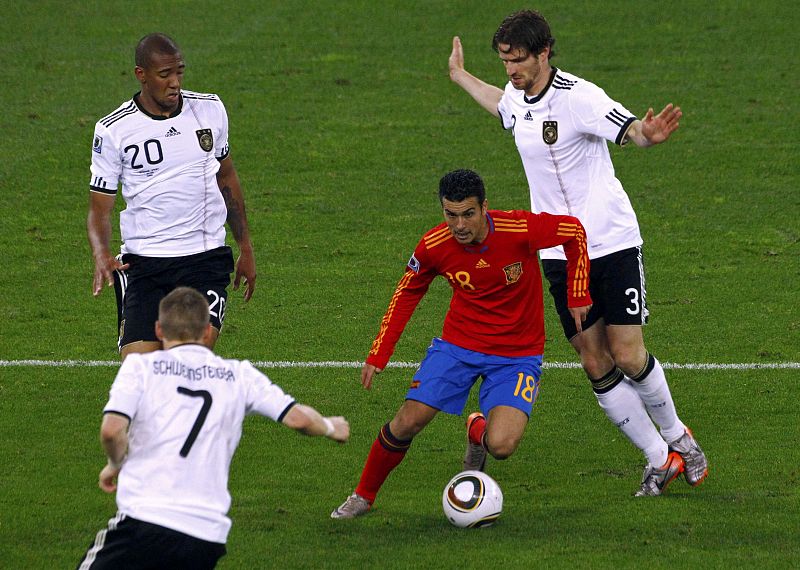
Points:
[(167, 167), (561, 136), (186, 406)]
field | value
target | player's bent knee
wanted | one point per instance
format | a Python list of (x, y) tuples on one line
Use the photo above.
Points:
[(502, 448)]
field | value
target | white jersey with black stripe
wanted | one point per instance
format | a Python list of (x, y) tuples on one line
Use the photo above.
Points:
[(561, 136), (167, 168), (186, 407)]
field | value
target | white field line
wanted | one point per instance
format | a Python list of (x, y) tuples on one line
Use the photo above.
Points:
[(353, 364)]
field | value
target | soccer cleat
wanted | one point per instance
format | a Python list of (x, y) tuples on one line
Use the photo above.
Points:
[(695, 462), (656, 479), (353, 507), (475, 455)]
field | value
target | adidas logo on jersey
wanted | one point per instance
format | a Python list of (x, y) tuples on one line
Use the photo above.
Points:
[(528, 116), (172, 132), (482, 264)]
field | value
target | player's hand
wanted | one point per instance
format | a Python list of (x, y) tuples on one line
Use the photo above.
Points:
[(367, 372), (579, 314), (245, 269), (341, 429), (657, 128), (108, 478), (104, 266), (456, 61)]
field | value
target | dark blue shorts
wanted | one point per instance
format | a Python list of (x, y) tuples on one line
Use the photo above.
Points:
[(448, 372)]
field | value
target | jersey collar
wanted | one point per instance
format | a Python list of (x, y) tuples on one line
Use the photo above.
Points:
[(175, 113), (538, 97)]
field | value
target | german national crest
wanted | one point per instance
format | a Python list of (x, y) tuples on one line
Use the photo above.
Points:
[(205, 138), (550, 132), (513, 272)]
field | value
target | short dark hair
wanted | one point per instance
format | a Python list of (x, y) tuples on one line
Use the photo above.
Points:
[(458, 185), (183, 314), (152, 44), (526, 29)]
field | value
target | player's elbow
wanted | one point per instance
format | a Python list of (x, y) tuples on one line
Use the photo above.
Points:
[(299, 418)]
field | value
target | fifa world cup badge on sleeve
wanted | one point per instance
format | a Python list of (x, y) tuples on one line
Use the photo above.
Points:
[(205, 138), (97, 145), (550, 132), (413, 264)]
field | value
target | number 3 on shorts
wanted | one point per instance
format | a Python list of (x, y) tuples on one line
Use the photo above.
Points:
[(527, 387), (634, 293)]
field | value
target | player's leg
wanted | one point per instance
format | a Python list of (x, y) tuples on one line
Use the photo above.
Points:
[(616, 397), (626, 313), (387, 452), (508, 391), (442, 383)]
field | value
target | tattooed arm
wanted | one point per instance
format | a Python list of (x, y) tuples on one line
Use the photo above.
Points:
[(228, 182)]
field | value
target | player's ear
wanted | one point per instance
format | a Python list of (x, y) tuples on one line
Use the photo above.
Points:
[(139, 73), (207, 334), (159, 332)]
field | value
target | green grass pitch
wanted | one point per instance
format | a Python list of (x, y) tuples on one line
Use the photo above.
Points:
[(342, 120)]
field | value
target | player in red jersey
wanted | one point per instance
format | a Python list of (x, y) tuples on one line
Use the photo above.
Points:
[(494, 328)]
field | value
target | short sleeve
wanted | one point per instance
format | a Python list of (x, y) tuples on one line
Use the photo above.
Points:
[(221, 149), (106, 164), (263, 397), (127, 389), (596, 113), (504, 108)]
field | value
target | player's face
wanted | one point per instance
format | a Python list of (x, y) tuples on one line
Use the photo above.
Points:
[(161, 83), (526, 71), (466, 220)]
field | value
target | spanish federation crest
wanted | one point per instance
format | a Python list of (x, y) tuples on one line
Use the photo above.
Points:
[(205, 138), (550, 132), (513, 272)]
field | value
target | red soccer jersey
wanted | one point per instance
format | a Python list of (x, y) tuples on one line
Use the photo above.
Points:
[(497, 306)]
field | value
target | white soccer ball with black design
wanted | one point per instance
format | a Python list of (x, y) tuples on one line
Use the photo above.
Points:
[(472, 499)]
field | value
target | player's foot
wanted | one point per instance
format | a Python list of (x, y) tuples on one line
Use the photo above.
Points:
[(695, 462), (475, 456), (656, 479), (353, 507)]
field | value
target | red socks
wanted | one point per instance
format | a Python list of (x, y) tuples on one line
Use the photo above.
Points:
[(386, 453)]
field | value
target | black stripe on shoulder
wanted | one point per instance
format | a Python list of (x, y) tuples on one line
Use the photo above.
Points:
[(118, 114), (200, 96), (561, 82)]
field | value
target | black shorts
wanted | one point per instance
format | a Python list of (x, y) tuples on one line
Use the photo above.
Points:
[(616, 284), (141, 287), (128, 543)]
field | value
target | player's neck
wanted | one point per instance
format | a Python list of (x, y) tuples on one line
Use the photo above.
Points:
[(167, 344), (544, 79)]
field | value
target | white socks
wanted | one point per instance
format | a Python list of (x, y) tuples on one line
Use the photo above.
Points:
[(651, 386), (625, 409)]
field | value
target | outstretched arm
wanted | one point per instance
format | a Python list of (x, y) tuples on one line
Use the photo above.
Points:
[(231, 190), (487, 96), (655, 129), (308, 421)]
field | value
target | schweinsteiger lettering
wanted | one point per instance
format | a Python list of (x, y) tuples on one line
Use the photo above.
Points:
[(174, 368)]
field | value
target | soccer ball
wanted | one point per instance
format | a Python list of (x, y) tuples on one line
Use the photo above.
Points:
[(472, 499)]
